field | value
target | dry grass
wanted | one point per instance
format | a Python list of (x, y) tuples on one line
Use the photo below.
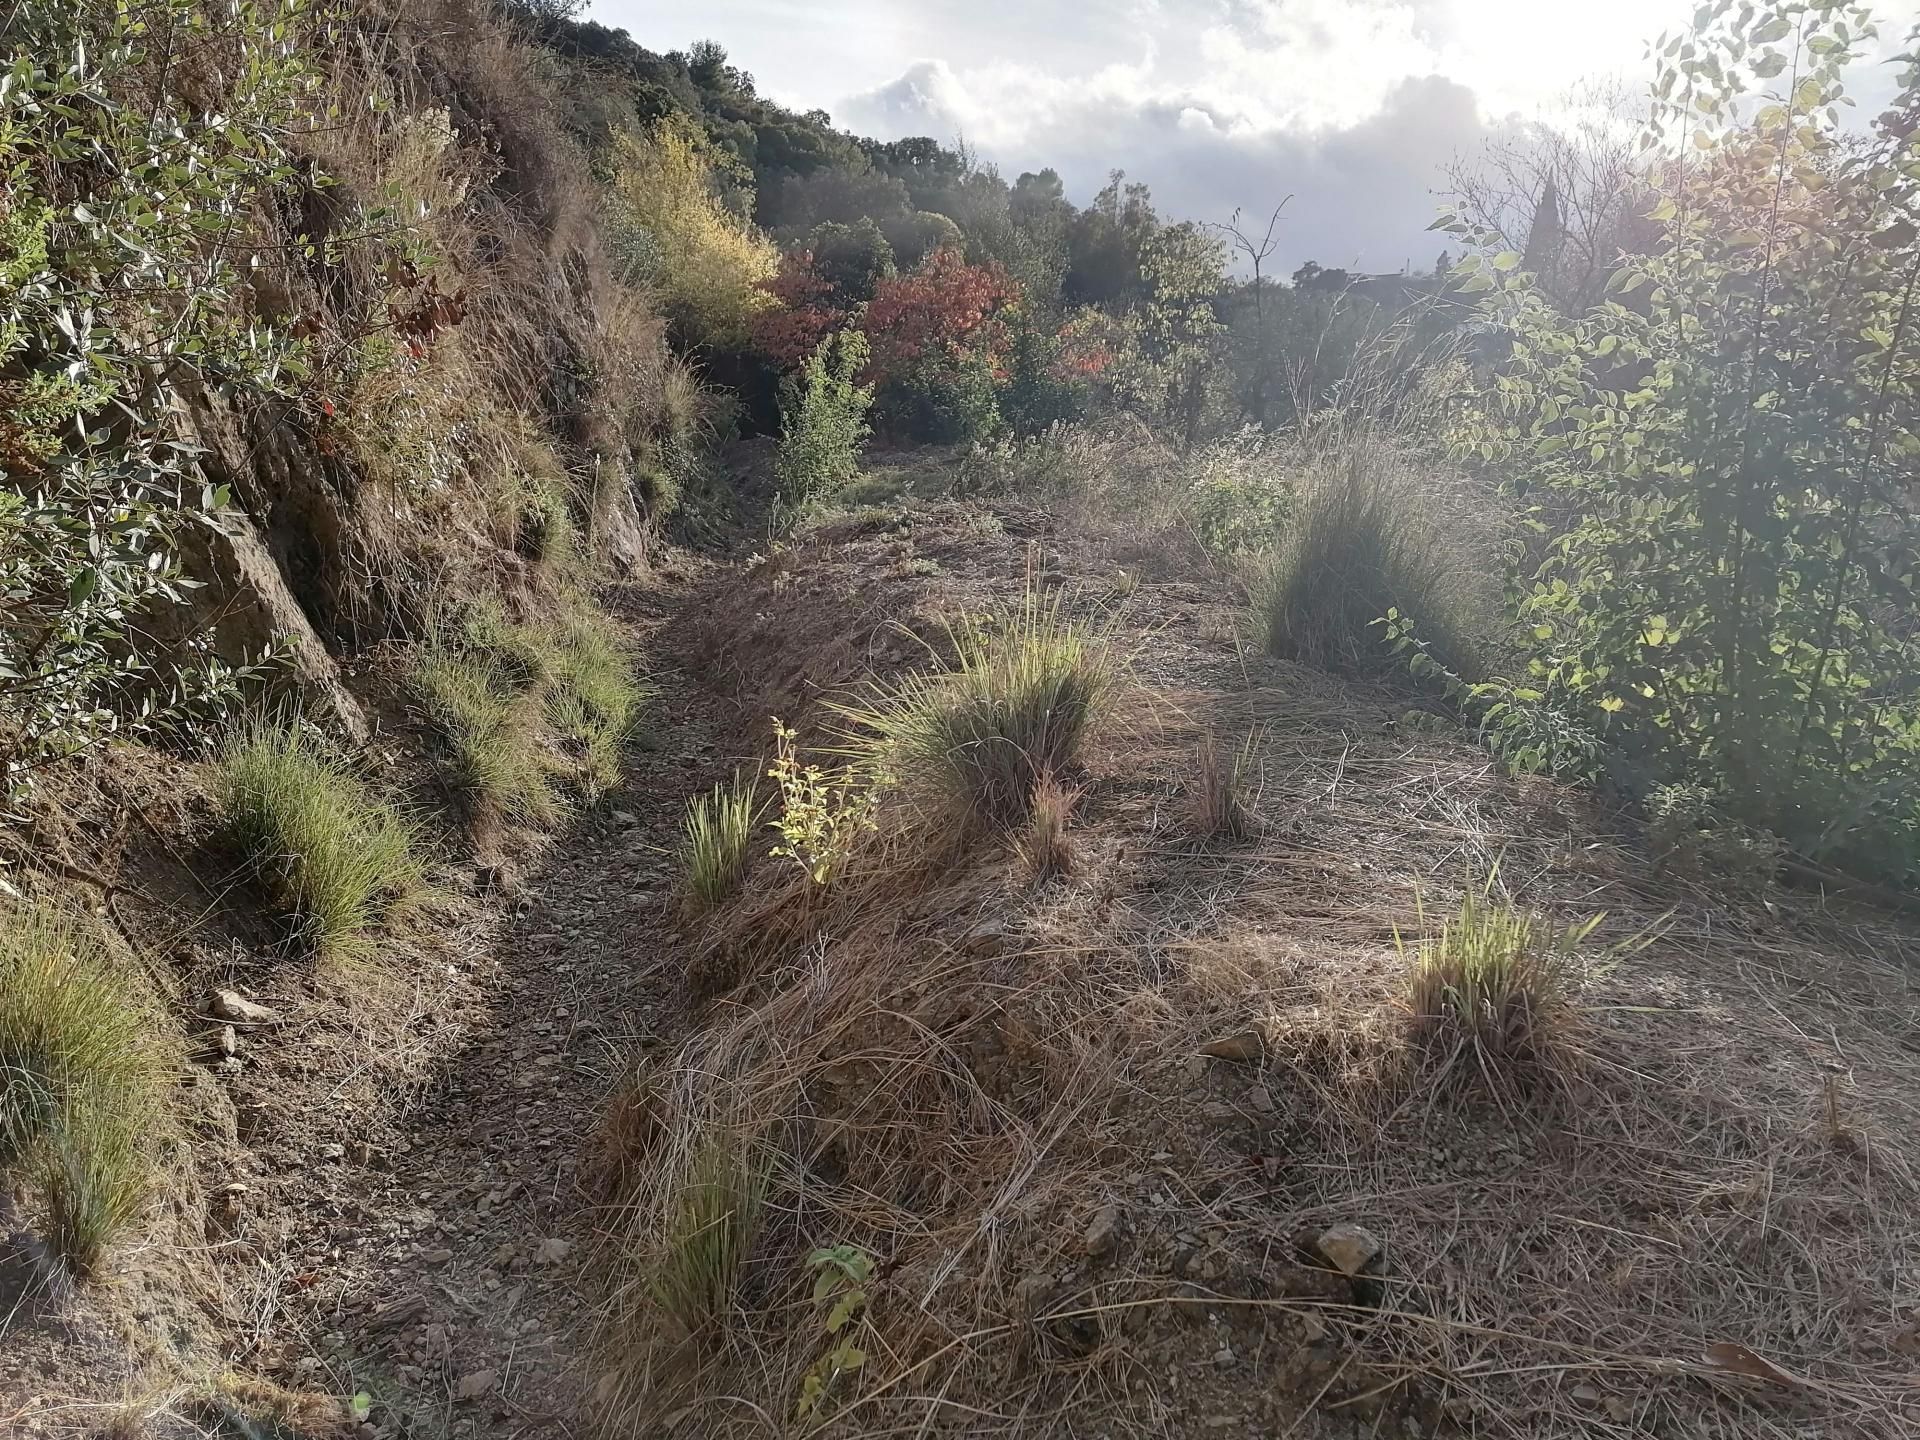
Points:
[(1042, 844), (80, 1097), (1221, 801), (338, 860)]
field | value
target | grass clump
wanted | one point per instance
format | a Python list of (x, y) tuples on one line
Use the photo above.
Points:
[(79, 1084), (1024, 692), (1496, 988), (1363, 541), (714, 838), (709, 1230), (525, 706), (1220, 805), (1042, 844), (336, 858)]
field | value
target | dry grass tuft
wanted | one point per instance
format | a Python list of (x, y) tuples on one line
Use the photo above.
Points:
[(1042, 844), (337, 859), (1221, 803), (80, 1096), (1025, 690)]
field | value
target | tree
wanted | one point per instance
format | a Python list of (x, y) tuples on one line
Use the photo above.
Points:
[(1257, 252), (804, 310), (851, 258), (1182, 268)]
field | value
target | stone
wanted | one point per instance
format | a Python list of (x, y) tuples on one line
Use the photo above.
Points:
[(1349, 1248), (232, 1005), (475, 1384), (229, 1041), (1247, 1045), (551, 1251), (1103, 1232)]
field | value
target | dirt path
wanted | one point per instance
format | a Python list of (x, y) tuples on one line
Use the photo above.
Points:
[(464, 1311)]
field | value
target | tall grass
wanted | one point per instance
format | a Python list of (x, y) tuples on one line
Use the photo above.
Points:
[(495, 756), (336, 858), (1365, 538), (1025, 690), (79, 1083), (711, 1225), (714, 839)]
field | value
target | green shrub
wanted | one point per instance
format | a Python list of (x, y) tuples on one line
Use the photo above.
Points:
[(714, 838), (1024, 691), (1363, 543), (79, 1084), (335, 857), (823, 421)]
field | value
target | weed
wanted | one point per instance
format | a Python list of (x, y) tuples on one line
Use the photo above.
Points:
[(714, 1220), (1041, 843), (81, 1088), (1361, 544), (1026, 689), (1220, 806), (1497, 986), (841, 1273), (713, 841), (822, 813), (335, 857)]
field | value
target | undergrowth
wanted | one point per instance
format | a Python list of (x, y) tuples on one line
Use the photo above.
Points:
[(714, 840), (81, 1095), (1025, 690), (714, 1220), (336, 859)]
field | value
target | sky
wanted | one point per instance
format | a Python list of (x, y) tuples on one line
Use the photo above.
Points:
[(1352, 107)]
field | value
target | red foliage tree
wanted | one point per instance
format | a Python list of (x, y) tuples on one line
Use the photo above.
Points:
[(943, 309), (804, 312)]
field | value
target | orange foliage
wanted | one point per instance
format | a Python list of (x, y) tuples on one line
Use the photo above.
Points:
[(943, 308)]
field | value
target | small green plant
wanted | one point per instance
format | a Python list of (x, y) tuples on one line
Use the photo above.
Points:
[(713, 1220), (1025, 690), (1496, 988), (714, 838), (823, 813), (79, 1083), (823, 421), (840, 1276), (1689, 829), (335, 857), (595, 698), (495, 756)]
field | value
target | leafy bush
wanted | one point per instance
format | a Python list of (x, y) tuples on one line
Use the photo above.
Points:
[(823, 813), (79, 1083), (335, 858), (1495, 989), (114, 290), (1025, 690), (714, 840), (823, 421), (1724, 442), (1362, 543)]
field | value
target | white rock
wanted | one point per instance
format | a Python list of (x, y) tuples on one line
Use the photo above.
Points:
[(1349, 1248)]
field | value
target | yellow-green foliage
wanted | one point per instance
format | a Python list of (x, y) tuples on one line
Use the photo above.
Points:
[(703, 262), (80, 1096), (523, 705), (336, 858), (713, 841), (1026, 688)]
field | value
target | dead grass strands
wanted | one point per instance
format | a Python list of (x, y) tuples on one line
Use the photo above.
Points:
[(1042, 844), (1221, 802)]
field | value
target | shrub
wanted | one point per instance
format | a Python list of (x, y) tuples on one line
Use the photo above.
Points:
[(714, 838), (335, 857), (81, 1084), (1362, 544), (1496, 989), (712, 1223), (1025, 689), (823, 813), (823, 414)]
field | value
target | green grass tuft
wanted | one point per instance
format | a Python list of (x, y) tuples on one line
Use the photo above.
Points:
[(80, 1094), (710, 1229), (1363, 542), (495, 754), (1025, 690), (1496, 988), (714, 840), (337, 859)]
